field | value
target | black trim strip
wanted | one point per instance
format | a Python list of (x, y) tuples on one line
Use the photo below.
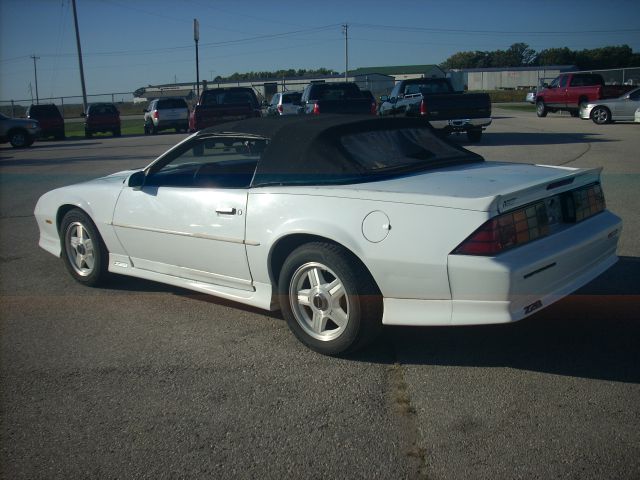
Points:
[(531, 274), (560, 183)]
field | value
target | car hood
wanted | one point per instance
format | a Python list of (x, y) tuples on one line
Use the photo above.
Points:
[(487, 186)]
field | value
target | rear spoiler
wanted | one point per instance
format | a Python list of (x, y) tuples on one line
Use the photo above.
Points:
[(574, 178)]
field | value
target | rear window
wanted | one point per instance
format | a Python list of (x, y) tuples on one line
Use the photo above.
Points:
[(229, 97), (103, 110), (335, 92), (292, 98), (428, 88), (399, 149), (44, 111), (172, 103)]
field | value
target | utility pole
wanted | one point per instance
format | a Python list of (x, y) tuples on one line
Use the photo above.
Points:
[(345, 30), (84, 90), (196, 38), (35, 73)]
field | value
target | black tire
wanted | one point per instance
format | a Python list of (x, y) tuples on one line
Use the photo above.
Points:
[(117, 132), (147, 130), (19, 138), (346, 318), (83, 251), (154, 129), (541, 109), (60, 136), (601, 115), (87, 134), (474, 135)]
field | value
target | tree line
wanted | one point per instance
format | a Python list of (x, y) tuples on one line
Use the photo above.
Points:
[(521, 55), (278, 74)]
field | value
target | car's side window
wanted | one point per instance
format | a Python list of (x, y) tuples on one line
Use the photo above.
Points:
[(635, 95), (563, 81), (211, 162)]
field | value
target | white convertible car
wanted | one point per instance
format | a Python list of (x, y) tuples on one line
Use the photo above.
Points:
[(344, 223)]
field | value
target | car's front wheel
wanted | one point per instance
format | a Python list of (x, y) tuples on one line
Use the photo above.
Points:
[(601, 115), (541, 109), (83, 251), (328, 299), (19, 139)]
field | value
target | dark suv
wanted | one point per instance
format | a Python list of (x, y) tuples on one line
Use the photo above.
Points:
[(49, 118), (102, 117)]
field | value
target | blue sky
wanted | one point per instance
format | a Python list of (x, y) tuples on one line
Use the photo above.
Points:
[(128, 44)]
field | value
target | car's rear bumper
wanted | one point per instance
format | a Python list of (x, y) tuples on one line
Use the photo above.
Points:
[(515, 284)]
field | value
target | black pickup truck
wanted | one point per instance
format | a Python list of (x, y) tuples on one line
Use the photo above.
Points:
[(219, 105), (335, 97), (436, 100)]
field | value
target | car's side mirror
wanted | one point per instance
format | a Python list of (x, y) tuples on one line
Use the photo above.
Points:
[(136, 180), (545, 85)]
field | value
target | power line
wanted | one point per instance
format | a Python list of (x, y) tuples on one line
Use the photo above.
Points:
[(490, 32)]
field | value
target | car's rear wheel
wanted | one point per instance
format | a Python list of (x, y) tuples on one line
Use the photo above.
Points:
[(88, 133), (601, 115), (329, 300), (83, 251), (117, 132), (19, 138)]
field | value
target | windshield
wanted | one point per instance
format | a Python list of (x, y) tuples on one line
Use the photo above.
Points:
[(398, 149)]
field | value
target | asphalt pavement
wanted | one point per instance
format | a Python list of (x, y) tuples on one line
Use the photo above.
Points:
[(143, 380)]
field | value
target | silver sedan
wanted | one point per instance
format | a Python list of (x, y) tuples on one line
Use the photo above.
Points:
[(612, 109)]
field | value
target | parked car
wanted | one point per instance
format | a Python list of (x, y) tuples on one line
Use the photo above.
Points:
[(620, 109), (49, 118), (570, 91), (335, 97), (435, 100), (18, 131), (285, 103), (636, 117), (220, 105), (166, 113), (102, 117), (360, 222), (531, 96)]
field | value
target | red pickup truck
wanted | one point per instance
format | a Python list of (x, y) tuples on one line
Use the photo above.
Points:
[(570, 90)]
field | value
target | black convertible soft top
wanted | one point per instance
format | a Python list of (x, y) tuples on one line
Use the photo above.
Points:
[(341, 149)]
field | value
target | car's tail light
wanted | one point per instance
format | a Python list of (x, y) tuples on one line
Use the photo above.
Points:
[(374, 109), (423, 107), (316, 109), (507, 231), (583, 203), (533, 221), (280, 109), (155, 114)]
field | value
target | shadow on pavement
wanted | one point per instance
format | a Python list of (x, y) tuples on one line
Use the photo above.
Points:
[(594, 333), (533, 138)]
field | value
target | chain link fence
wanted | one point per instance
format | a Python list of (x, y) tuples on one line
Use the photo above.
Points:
[(71, 107)]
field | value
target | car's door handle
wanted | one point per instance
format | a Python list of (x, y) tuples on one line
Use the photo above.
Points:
[(226, 210)]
